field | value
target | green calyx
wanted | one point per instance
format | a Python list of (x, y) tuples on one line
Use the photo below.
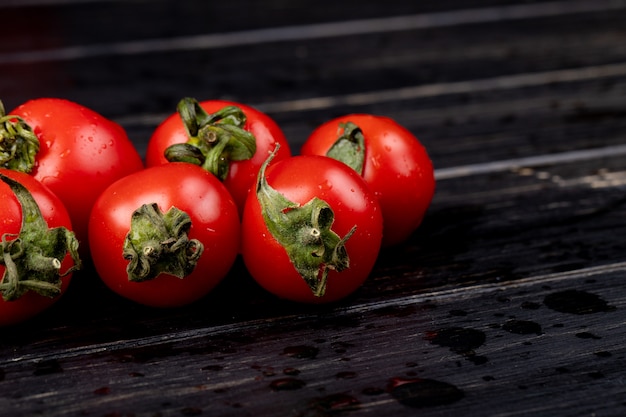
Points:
[(349, 147), (32, 260), (157, 243), (305, 233), (18, 143), (215, 140)]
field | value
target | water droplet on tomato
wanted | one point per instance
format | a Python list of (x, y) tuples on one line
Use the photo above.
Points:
[(325, 186), (376, 162)]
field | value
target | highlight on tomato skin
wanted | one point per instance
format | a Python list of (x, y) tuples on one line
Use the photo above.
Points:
[(350, 219), (30, 302), (394, 163), (183, 199), (241, 174)]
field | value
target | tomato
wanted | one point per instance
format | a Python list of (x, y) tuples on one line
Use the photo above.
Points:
[(311, 230), (237, 175), (46, 245), (392, 161), (164, 236), (79, 154)]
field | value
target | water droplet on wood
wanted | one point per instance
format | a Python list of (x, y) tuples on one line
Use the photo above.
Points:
[(423, 392), (576, 302)]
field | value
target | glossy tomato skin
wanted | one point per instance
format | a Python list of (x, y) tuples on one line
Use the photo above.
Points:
[(396, 167), (81, 153), (54, 213), (242, 174), (215, 222), (300, 179)]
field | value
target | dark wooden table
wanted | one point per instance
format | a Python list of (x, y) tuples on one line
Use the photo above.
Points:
[(508, 301)]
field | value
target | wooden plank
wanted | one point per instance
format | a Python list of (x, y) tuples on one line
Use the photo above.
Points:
[(492, 345), (243, 22), (309, 68)]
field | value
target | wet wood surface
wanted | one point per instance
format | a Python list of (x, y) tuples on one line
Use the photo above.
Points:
[(508, 300)]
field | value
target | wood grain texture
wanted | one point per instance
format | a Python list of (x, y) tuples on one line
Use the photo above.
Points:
[(507, 301)]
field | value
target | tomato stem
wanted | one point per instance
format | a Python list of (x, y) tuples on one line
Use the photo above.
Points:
[(349, 147), (157, 243), (215, 140), (33, 258), (18, 143), (305, 233)]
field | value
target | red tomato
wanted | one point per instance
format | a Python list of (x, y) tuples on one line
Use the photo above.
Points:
[(241, 174), (80, 154), (349, 221), (396, 167), (174, 189), (46, 217)]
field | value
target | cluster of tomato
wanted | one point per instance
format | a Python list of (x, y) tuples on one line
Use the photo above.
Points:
[(218, 181)]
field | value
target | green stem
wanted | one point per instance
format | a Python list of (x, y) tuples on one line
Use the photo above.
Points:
[(33, 259), (18, 143), (157, 243), (349, 147), (215, 140), (305, 233)]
